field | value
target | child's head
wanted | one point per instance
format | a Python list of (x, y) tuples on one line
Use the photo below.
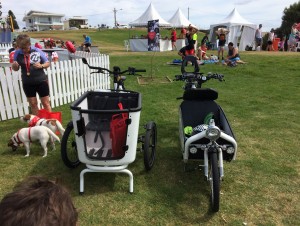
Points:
[(38, 201)]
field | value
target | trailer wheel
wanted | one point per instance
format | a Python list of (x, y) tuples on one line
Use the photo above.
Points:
[(149, 145), (68, 146)]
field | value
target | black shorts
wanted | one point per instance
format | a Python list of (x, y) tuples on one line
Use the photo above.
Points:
[(182, 50), (31, 90), (222, 43), (258, 41), (270, 42), (87, 44)]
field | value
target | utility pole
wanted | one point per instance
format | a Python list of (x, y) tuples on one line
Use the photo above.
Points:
[(115, 16)]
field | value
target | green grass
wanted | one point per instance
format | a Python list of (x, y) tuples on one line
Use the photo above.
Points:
[(261, 100)]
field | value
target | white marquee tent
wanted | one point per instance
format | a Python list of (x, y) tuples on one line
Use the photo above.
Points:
[(150, 14), (178, 20), (240, 30)]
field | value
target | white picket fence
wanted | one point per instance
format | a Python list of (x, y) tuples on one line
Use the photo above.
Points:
[(68, 80), (5, 45)]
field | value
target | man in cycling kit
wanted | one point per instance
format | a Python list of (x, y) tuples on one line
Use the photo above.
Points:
[(87, 43)]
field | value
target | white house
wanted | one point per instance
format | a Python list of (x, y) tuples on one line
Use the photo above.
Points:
[(40, 21), (76, 21)]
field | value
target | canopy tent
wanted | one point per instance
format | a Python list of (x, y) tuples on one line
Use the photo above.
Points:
[(149, 14), (241, 31), (178, 20)]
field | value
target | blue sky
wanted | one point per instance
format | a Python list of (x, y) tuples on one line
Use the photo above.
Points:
[(200, 13)]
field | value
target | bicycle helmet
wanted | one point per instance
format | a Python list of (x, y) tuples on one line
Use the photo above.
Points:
[(38, 45), (71, 48)]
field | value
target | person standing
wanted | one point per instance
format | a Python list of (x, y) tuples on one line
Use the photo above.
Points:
[(195, 38), (222, 40), (189, 48), (12, 51), (183, 33), (270, 40), (258, 37), (32, 62), (205, 39), (292, 38), (173, 39), (54, 55), (87, 43)]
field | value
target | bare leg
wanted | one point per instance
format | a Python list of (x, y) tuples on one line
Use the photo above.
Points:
[(222, 50), (46, 103), (33, 105)]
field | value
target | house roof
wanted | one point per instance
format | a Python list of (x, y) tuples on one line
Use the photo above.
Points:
[(77, 18), (40, 13), (149, 14), (179, 20)]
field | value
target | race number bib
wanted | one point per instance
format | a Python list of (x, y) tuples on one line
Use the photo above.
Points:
[(35, 57)]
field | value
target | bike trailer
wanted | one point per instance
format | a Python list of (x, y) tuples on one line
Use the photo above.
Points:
[(106, 126), (196, 106)]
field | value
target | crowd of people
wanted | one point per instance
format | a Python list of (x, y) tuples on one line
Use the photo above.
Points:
[(200, 52), (285, 44)]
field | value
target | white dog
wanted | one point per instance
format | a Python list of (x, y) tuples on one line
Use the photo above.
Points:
[(52, 124), (27, 135)]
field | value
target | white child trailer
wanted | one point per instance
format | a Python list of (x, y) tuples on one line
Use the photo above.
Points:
[(106, 125)]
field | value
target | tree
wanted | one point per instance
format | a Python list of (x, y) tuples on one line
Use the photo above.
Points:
[(290, 16), (11, 16)]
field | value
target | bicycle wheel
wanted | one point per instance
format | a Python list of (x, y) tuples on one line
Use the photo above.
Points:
[(69, 147), (149, 146), (214, 180)]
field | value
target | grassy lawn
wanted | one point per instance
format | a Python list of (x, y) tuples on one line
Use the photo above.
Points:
[(261, 100)]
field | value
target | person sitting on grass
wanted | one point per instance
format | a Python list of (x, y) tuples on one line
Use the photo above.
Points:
[(202, 52), (38, 201), (233, 55)]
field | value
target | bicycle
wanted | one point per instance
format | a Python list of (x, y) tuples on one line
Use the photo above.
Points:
[(204, 131), (96, 119)]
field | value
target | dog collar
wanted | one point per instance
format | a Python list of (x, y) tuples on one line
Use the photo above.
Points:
[(34, 121)]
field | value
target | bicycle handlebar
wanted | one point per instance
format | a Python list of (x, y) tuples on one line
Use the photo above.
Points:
[(198, 77), (117, 70)]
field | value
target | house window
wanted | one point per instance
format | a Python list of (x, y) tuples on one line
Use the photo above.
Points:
[(30, 21)]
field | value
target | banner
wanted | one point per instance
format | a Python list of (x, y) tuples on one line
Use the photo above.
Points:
[(153, 35)]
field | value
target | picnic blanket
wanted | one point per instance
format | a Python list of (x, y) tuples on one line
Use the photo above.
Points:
[(179, 62)]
